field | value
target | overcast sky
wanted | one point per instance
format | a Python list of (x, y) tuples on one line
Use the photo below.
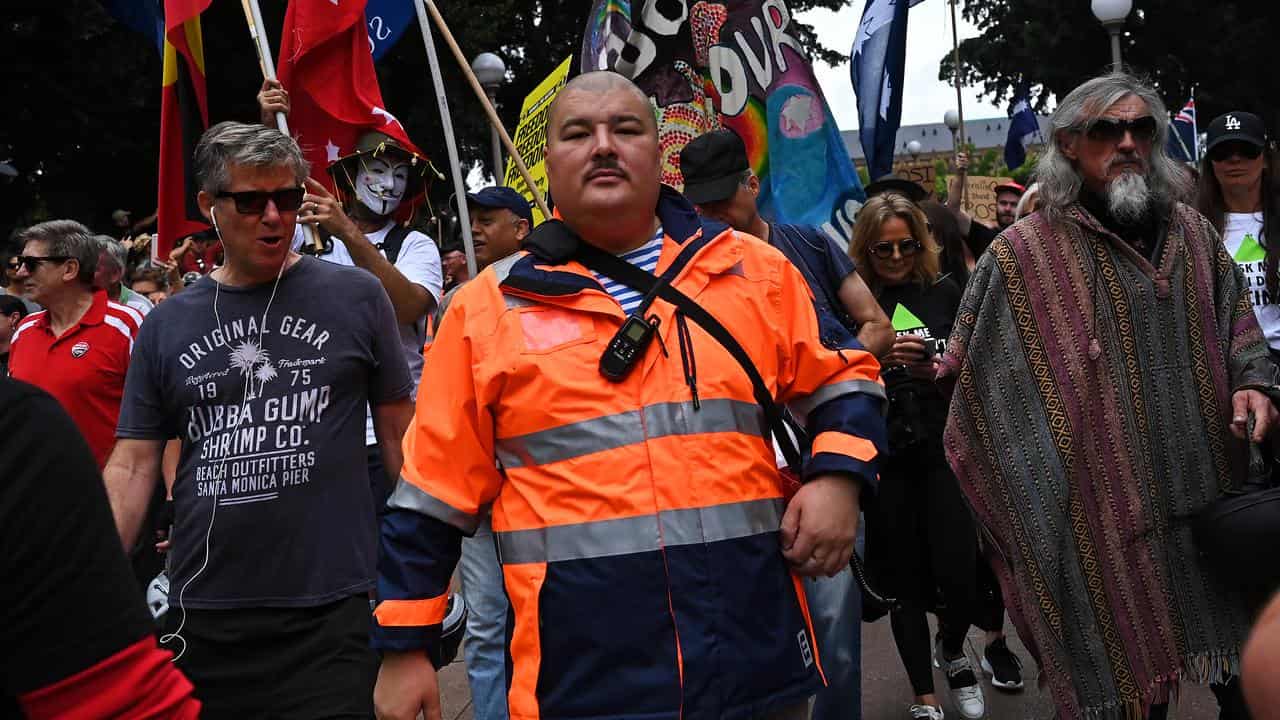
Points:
[(928, 39)]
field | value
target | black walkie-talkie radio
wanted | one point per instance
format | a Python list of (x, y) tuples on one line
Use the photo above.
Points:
[(627, 347)]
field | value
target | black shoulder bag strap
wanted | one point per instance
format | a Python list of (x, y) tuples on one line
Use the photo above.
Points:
[(392, 242), (641, 281), (628, 274)]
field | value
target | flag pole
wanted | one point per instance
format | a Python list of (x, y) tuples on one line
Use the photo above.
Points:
[(1195, 129), (451, 145), (483, 97), (955, 61), (253, 16)]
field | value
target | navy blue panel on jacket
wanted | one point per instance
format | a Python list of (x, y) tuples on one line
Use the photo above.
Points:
[(403, 531), (577, 639), (860, 415), (725, 660)]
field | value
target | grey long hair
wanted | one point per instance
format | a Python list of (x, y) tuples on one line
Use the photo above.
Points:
[(1060, 182)]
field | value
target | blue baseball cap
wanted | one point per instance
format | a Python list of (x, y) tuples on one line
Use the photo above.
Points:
[(501, 196)]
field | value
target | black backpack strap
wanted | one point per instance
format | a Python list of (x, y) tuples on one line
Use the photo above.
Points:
[(392, 242)]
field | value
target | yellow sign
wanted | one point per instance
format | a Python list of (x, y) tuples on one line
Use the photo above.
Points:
[(530, 137), (980, 196)]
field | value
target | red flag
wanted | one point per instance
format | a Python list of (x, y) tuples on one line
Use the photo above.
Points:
[(326, 66), (184, 115)]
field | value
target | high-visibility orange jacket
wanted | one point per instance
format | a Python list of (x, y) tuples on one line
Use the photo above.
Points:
[(637, 528)]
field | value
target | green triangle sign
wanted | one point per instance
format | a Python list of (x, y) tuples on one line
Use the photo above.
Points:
[(1250, 250), (904, 319)]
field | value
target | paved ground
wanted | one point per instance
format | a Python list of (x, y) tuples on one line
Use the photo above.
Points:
[(885, 691)]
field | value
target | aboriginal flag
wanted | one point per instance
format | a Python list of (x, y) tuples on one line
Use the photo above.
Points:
[(184, 116)]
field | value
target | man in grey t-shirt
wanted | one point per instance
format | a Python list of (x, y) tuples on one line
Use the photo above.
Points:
[(264, 372)]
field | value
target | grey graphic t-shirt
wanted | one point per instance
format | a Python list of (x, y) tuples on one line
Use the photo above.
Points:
[(270, 407)]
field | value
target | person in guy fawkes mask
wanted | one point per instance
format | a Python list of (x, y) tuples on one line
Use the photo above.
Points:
[(366, 225)]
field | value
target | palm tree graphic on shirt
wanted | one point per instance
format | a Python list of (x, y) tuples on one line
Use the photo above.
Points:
[(254, 363)]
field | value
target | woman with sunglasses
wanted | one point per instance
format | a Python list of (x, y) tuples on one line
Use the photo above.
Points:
[(920, 537), (1237, 195)]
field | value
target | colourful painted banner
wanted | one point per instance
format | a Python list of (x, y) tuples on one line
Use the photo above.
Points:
[(734, 64)]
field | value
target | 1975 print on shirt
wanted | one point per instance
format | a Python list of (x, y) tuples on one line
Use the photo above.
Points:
[(250, 417)]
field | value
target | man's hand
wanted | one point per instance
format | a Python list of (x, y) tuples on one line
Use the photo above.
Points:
[(962, 163), (272, 99), (406, 686), (319, 206), (183, 249), (820, 525), (907, 350), (1251, 402)]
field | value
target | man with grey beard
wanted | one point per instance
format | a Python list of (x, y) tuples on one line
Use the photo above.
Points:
[(1105, 364)]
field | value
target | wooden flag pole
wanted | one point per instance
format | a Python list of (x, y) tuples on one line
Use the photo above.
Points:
[(955, 61), (253, 16), (483, 97), (450, 144)]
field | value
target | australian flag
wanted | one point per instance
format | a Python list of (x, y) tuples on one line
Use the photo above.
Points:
[(1022, 124), (879, 56), (1183, 138)]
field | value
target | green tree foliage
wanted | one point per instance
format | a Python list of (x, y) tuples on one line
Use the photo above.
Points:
[(81, 92), (1220, 48)]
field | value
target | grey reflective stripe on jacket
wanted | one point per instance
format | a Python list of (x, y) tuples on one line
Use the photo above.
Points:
[(807, 404), (630, 428), (408, 496), (643, 533)]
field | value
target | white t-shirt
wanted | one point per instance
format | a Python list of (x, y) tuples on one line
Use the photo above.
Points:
[(419, 262), (1242, 237)]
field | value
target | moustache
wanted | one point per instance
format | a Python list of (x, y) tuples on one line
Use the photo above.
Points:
[(1133, 158), (606, 163)]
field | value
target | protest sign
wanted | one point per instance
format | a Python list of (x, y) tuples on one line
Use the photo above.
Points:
[(530, 137), (921, 173), (980, 196)]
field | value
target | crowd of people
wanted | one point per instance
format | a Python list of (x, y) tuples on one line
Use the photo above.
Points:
[(332, 455)]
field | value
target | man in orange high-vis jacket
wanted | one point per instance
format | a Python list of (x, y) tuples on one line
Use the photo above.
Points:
[(649, 557)]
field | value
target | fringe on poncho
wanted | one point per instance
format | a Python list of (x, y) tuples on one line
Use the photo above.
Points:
[(1088, 424)]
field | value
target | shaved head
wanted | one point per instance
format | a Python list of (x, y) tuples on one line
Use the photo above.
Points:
[(603, 160), (598, 82)]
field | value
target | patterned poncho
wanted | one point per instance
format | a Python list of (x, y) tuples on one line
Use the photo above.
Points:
[(1089, 422)]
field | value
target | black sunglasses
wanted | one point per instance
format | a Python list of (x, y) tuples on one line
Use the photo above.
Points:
[(31, 262), (254, 202), (907, 247), (1224, 151), (1112, 131)]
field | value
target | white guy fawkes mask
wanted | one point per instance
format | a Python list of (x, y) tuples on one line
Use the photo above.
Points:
[(380, 185)]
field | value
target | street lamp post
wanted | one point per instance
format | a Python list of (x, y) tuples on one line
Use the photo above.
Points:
[(491, 72), (1112, 14), (951, 119)]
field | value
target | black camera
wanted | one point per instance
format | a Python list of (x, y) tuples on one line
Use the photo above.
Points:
[(913, 403), (933, 347)]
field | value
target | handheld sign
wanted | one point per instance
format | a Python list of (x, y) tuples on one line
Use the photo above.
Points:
[(531, 136)]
